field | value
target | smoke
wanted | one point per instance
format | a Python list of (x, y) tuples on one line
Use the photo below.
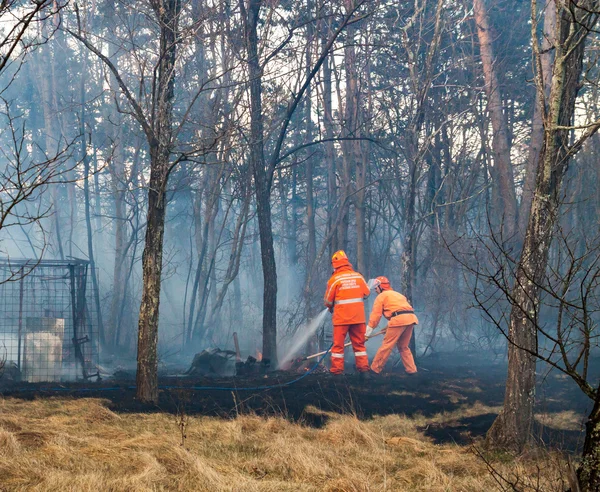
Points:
[(300, 340), (117, 151)]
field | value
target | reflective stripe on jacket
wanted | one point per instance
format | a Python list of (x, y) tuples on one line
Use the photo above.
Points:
[(388, 302), (346, 291)]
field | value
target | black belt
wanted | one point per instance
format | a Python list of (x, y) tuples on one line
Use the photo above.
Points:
[(398, 313)]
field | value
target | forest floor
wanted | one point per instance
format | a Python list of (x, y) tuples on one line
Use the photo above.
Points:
[(324, 432)]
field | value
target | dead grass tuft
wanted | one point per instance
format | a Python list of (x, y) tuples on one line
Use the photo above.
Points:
[(9, 445), (31, 439), (344, 485), (66, 444), (567, 420)]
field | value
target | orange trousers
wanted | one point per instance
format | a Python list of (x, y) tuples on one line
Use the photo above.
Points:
[(357, 337), (399, 336)]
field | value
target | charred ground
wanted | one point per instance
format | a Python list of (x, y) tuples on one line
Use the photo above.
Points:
[(444, 385)]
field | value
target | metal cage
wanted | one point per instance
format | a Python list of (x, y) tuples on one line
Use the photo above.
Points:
[(48, 331)]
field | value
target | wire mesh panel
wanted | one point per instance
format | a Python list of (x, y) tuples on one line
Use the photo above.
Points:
[(47, 330)]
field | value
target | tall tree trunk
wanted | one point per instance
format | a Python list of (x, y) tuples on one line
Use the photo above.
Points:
[(345, 173), (167, 12), (421, 80), (310, 198), (118, 291), (332, 205), (86, 196), (203, 240), (537, 126), (130, 257), (285, 226), (352, 148), (505, 203), (408, 254), (45, 74), (408, 257), (116, 170), (64, 121), (147, 358), (261, 184), (311, 247), (589, 469), (293, 232), (207, 279), (96, 193), (234, 258), (512, 428)]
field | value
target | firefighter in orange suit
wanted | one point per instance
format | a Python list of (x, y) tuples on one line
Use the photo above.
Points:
[(401, 320), (345, 295)]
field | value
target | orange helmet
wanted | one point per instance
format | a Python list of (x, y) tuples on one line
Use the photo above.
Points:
[(339, 259), (383, 282)]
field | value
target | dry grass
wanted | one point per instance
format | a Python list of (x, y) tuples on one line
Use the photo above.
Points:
[(566, 420), (66, 444)]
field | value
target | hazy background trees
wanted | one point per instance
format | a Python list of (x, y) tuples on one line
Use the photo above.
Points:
[(407, 126), (219, 151)]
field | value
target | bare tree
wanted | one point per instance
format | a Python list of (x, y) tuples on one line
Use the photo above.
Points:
[(263, 168), (537, 125), (565, 318), (25, 177), (575, 21), (157, 121), (503, 189), (20, 15)]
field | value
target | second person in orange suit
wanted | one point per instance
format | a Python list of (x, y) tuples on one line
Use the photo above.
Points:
[(345, 295), (401, 320)]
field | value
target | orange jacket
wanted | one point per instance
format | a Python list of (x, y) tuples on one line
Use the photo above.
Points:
[(388, 302), (346, 292)]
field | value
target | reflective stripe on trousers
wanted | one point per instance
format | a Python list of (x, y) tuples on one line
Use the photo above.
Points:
[(357, 337)]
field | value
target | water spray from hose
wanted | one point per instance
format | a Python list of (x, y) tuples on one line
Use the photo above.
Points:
[(302, 336)]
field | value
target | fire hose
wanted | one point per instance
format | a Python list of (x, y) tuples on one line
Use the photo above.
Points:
[(322, 356), (347, 344), (176, 387)]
